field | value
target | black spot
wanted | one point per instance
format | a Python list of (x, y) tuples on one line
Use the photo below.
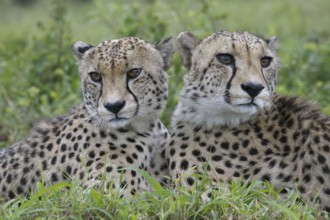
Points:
[(196, 153), (23, 181), (45, 139), (307, 178), (190, 181), (26, 170), (265, 177), (53, 161), (253, 151), (272, 163), (246, 143), (320, 179), (290, 123), (326, 148), (103, 134), (184, 164), (283, 165), (44, 165), (71, 155), (129, 159), (235, 146), (225, 145), (11, 194), (54, 177), (173, 164), (63, 147), (228, 163), (75, 146), (89, 163), (49, 146), (109, 169), (256, 171), (182, 154), (326, 169), (287, 178), (211, 149), (9, 178), (68, 170), (139, 148), (113, 136), (172, 152), (41, 154), (283, 139), (317, 140), (68, 136), (19, 190), (220, 171), (321, 159), (63, 159), (183, 146), (217, 134), (243, 158), (34, 144), (131, 140), (216, 157)]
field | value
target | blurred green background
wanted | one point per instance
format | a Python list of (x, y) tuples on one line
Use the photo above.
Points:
[(39, 79)]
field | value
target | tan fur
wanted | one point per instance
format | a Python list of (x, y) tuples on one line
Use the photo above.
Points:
[(98, 139), (279, 139)]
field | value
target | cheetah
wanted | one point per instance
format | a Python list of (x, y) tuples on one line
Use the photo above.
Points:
[(231, 124), (117, 126)]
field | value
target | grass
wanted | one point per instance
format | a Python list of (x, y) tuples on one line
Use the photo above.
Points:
[(38, 79), (229, 201)]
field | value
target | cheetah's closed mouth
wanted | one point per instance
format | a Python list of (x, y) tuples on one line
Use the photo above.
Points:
[(117, 119), (248, 104)]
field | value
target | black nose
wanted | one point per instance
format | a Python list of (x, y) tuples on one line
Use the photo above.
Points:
[(114, 107), (252, 89)]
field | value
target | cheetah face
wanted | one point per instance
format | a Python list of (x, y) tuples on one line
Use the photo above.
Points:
[(231, 76), (123, 80)]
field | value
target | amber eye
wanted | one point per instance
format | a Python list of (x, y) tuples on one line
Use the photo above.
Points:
[(265, 61), (96, 77), (133, 73), (225, 58)]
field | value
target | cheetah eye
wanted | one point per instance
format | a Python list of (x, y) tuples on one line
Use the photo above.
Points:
[(265, 61), (225, 58), (96, 77), (133, 73)]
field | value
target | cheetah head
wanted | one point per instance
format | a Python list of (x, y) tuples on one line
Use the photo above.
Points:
[(124, 80), (231, 77)]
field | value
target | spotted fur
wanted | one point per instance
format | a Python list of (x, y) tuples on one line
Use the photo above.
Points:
[(229, 118), (116, 127)]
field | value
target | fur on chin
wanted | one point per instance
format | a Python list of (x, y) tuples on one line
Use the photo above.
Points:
[(209, 117)]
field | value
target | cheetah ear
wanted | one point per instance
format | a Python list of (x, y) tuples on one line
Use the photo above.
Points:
[(186, 43), (166, 49), (79, 48), (272, 43)]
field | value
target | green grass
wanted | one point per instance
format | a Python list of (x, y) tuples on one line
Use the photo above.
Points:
[(229, 201), (39, 79)]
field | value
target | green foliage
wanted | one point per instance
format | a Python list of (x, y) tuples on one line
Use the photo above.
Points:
[(229, 200)]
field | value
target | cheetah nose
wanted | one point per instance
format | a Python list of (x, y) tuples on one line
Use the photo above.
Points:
[(114, 107), (252, 89)]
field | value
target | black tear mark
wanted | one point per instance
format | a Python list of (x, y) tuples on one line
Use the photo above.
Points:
[(135, 98), (227, 94)]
